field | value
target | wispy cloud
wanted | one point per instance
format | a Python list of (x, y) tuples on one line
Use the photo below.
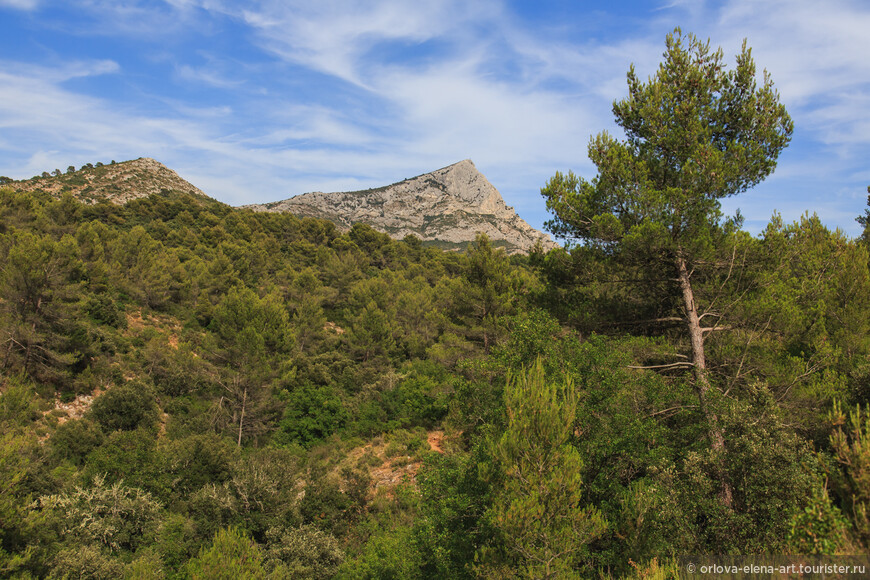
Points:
[(334, 37), (339, 94), (816, 52), (63, 72), (37, 114), (208, 76), (20, 4), (457, 104)]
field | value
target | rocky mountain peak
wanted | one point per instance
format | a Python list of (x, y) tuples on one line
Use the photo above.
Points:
[(115, 182), (464, 181), (447, 207)]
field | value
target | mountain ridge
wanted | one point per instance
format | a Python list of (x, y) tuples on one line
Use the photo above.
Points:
[(116, 182), (448, 206)]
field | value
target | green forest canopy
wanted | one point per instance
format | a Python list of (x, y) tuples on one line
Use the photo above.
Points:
[(191, 390)]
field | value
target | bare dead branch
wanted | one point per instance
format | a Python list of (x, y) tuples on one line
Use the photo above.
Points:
[(677, 408), (752, 337), (650, 321), (715, 328), (667, 366)]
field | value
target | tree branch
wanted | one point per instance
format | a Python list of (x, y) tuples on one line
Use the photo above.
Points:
[(650, 321), (677, 408), (671, 365), (712, 328)]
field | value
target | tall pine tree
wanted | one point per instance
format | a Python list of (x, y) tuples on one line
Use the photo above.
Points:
[(696, 133)]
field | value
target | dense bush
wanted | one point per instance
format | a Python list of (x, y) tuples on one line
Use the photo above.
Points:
[(125, 407)]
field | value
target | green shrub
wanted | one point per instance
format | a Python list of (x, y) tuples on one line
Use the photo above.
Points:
[(116, 517), (231, 556), (147, 566), (128, 456), (86, 561), (18, 402), (819, 528), (388, 555), (306, 553), (851, 446), (369, 459), (324, 505), (75, 439), (176, 541), (197, 460), (101, 308), (311, 415), (125, 407)]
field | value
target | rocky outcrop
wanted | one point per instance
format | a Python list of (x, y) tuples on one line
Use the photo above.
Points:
[(116, 182), (447, 207)]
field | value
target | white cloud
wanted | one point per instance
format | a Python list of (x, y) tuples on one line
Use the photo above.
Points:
[(312, 124), (36, 110), (816, 53), (414, 86), (452, 108), (143, 20), (20, 4), (207, 76), (68, 70), (334, 37)]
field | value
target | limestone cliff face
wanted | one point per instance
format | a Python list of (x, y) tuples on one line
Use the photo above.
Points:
[(449, 207), (116, 182)]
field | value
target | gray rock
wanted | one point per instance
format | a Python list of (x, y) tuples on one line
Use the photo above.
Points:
[(449, 206)]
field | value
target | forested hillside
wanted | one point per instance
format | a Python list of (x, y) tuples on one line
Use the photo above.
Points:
[(195, 391)]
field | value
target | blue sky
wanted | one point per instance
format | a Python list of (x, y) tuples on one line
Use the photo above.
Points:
[(256, 101)]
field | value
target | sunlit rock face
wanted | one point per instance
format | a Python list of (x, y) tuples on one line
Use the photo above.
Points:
[(115, 182), (448, 207)]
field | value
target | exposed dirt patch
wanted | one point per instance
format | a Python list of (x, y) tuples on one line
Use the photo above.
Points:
[(389, 472), (394, 472), (167, 325), (333, 327), (164, 418), (135, 322), (435, 438)]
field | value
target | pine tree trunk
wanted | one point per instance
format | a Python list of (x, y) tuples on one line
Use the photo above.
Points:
[(27, 351), (242, 416), (702, 381), (11, 343)]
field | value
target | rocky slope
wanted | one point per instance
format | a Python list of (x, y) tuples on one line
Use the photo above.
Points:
[(447, 207), (117, 182)]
